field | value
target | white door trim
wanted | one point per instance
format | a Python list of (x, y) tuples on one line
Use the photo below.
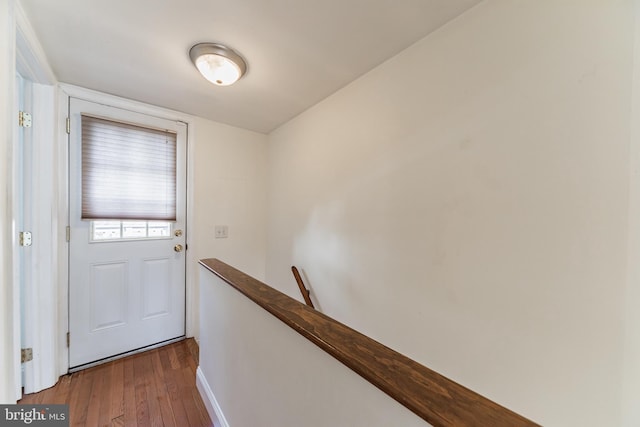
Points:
[(66, 91), (38, 286), (40, 322)]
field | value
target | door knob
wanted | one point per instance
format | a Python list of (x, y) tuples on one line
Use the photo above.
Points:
[(177, 248)]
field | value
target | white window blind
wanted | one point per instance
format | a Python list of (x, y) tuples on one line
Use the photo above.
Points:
[(128, 171)]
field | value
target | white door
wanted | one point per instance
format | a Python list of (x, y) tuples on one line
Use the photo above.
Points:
[(126, 278)]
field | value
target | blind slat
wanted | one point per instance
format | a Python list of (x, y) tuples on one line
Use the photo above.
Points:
[(128, 171)]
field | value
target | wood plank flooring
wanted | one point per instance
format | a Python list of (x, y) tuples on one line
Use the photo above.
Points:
[(154, 388)]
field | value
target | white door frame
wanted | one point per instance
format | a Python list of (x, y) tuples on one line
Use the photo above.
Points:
[(37, 286), (39, 327), (67, 91)]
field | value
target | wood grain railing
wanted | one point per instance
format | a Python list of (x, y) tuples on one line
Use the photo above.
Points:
[(431, 396)]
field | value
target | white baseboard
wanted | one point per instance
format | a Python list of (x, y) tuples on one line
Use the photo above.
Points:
[(210, 402)]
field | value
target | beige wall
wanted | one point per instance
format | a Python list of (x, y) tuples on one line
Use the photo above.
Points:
[(229, 189), (466, 203)]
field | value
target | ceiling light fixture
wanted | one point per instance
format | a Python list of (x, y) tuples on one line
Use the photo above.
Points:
[(219, 64)]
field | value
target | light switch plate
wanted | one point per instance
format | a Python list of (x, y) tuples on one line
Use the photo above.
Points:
[(221, 231)]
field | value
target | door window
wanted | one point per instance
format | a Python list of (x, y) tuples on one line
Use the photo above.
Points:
[(109, 231)]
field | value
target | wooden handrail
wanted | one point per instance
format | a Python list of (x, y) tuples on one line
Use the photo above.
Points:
[(303, 289), (433, 397)]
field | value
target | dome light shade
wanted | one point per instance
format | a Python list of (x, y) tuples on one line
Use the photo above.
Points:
[(219, 64)]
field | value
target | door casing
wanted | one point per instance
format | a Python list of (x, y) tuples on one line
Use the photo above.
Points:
[(40, 319)]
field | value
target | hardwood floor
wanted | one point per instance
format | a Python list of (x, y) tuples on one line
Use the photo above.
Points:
[(154, 388)]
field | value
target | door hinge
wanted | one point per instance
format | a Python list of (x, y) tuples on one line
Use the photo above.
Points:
[(24, 119), (26, 355), (25, 238), (68, 339), (68, 126), (68, 233)]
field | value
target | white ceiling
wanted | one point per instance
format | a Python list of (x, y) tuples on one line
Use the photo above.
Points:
[(298, 51)]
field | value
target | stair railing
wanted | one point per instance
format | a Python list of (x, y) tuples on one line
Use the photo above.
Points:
[(306, 294)]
